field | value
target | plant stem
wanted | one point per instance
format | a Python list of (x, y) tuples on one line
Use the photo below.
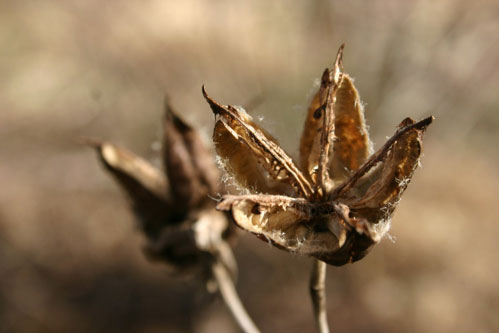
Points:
[(318, 294), (231, 298)]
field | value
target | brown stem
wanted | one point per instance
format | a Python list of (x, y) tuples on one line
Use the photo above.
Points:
[(318, 294), (231, 298)]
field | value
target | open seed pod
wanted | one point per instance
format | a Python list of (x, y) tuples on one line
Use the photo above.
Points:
[(339, 201)]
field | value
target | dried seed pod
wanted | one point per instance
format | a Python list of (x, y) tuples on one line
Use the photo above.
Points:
[(343, 199), (183, 230), (174, 208)]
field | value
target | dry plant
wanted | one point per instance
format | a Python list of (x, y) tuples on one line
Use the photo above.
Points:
[(339, 201), (175, 209), (334, 205)]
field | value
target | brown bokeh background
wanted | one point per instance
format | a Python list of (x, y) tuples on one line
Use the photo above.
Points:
[(70, 254)]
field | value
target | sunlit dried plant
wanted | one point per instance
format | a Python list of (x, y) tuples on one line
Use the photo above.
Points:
[(175, 209), (338, 202)]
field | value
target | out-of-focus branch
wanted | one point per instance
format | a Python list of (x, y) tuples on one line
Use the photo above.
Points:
[(230, 296), (318, 294)]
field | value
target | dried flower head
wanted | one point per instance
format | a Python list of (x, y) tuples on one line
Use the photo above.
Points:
[(338, 203), (174, 208)]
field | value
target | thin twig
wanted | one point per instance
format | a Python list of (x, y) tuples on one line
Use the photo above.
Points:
[(231, 298), (318, 294)]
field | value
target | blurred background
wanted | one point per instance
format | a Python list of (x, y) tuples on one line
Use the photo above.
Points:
[(70, 254)]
